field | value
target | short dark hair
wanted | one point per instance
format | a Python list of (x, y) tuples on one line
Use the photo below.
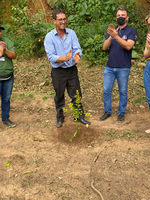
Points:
[(57, 11), (122, 8)]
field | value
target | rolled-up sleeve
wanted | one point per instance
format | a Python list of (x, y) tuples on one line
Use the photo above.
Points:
[(50, 48), (75, 45)]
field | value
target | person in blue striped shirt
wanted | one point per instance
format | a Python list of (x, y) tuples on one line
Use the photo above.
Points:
[(63, 51)]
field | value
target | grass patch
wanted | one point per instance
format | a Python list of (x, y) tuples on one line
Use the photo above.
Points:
[(22, 96), (143, 99)]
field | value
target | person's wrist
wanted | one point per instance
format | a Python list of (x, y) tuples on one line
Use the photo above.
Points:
[(65, 58), (115, 36)]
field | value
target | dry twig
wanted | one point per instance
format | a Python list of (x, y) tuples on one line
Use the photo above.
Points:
[(96, 190), (92, 183), (95, 159)]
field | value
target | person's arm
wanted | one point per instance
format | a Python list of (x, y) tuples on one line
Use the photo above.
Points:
[(76, 49), (125, 44), (147, 48), (107, 43), (9, 54), (147, 53), (64, 58)]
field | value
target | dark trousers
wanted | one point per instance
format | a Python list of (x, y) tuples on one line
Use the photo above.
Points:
[(61, 79)]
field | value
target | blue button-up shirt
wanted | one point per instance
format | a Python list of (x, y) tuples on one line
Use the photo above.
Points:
[(55, 47)]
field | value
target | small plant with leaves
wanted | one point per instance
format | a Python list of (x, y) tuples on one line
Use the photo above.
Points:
[(76, 111)]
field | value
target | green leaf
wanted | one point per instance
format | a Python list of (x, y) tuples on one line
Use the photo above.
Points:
[(52, 93), (87, 125), (41, 84), (134, 54), (71, 17), (141, 84), (26, 172), (44, 98), (85, 5), (75, 135), (104, 12), (8, 163)]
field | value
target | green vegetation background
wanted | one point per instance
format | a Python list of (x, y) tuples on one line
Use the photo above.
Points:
[(89, 19)]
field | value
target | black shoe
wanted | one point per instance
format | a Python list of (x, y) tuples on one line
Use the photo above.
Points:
[(105, 116), (59, 123), (120, 118), (83, 121), (9, 123)]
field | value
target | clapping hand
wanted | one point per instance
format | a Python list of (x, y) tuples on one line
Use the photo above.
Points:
[(1, 50), (112, 32)]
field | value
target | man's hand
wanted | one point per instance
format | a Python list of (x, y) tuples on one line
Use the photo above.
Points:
[(64, 58), (1, 50), (148, 39), (112, 32), (69, 55), (77, 57), (147, 48), (111, 26), (4, 45)]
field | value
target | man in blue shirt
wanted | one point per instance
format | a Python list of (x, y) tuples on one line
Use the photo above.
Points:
[(63, 51), (119, 41)]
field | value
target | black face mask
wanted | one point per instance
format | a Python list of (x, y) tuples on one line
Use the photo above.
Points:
[(121, 20)]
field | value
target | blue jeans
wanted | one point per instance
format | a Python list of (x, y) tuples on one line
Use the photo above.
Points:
[(5, 93), (122, 76), (147, 81)]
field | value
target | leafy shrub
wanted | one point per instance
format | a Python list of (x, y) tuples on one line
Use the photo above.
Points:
[(91, 37), (89, 19), (28, 31)]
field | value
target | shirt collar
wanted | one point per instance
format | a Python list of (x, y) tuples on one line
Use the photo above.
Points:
[(55, 32), (123, 27)]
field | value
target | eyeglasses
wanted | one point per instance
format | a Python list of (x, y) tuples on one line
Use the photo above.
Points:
[(60, 20)]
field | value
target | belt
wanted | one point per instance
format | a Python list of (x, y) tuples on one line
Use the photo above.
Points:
[(5, 78)]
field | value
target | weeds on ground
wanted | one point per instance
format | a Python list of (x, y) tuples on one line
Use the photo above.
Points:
[(22, 96), (115, 135)]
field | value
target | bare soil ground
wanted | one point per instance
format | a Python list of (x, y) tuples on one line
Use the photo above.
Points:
[(108, 160)]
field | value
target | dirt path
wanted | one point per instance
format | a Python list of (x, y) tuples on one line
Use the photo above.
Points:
[(45, 165)]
